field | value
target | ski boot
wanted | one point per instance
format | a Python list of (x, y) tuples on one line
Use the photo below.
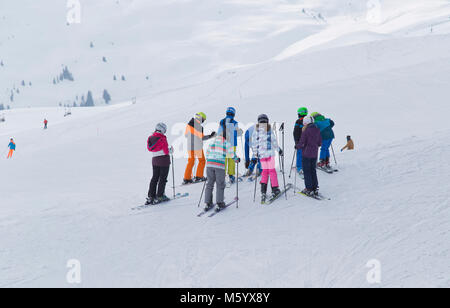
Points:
[(162, 199), (232, 179), (321, 163), (263, 198), (248, 173), (308, 193), (327, 164), (263, 193), (209, 206), (220, 206), (199, 179), (150, 201), (187, 182), (316, 192), (275, 192)]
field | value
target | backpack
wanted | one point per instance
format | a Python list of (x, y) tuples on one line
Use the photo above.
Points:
[(152, 142)]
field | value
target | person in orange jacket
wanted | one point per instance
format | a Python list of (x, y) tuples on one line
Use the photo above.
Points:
[(195, 139), (350, 145), (12, 148)]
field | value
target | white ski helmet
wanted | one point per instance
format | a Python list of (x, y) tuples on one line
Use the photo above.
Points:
[(161, 127), (308, 120)]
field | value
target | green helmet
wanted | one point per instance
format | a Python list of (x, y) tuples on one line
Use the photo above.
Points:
[(302, 111), (201, 116)]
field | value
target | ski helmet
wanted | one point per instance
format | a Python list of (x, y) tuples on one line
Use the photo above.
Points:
[(302, 111), (308, 120), (315, 114), (161, 127), (263, 118), (231, 111), (201, 116)]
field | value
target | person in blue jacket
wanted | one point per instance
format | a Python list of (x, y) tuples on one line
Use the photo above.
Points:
[(12, 148), (326, 130), (231, 127), (250, 163)]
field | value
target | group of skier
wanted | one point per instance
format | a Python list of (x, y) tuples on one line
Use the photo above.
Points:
[(311, 132)]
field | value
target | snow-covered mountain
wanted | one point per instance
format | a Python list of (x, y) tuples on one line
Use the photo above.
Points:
[(380, 69)]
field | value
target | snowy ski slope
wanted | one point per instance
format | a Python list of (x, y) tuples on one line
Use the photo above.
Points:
[(68, 191)]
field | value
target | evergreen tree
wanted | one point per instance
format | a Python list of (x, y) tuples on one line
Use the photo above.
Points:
[(106, 96), (89, 100)]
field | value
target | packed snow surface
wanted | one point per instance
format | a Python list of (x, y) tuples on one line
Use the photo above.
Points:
[(68, 191)]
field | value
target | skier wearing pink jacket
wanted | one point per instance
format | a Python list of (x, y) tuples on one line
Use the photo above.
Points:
[(157, 144)]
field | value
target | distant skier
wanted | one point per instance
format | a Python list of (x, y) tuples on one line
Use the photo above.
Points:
[(12, 148), (298, 129), (309, 143), (350, 145), (264, 147), (216, 157), (326, 130), (195, 139), (45, 123), (157, 144), (251, 164), (231, 126)]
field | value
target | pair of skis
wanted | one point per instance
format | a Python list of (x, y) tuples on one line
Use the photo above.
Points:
[(327, 170), (146, 206), (215, 210), (318, 197), (283, 192)]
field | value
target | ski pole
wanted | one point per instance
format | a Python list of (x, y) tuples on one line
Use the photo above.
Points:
[(295, 183), (256, 178), (276, 137), (332, 149), (292, 164), (201, 196), (282, 159), (237, 184), (173, 176)]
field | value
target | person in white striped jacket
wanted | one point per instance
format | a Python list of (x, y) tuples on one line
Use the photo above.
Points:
[(264, 146), (217, 153)]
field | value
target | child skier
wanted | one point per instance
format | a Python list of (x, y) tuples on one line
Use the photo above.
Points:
[(250, 164), (326, 130), (350, 145), (12, 148), (195, 139), (264, 147), (216, 157), (309, 143), (231, 126), (45, 123), (157, 143), (298, 129)]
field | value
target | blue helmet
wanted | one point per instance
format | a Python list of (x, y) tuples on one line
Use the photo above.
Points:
[(231, 111)]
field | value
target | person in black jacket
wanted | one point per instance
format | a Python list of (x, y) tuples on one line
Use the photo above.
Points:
[(298, 128)]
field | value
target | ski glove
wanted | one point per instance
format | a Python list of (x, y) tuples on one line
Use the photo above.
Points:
[(171, 150), (247, 164), (213, 134), (281, 152), (237, 160)]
